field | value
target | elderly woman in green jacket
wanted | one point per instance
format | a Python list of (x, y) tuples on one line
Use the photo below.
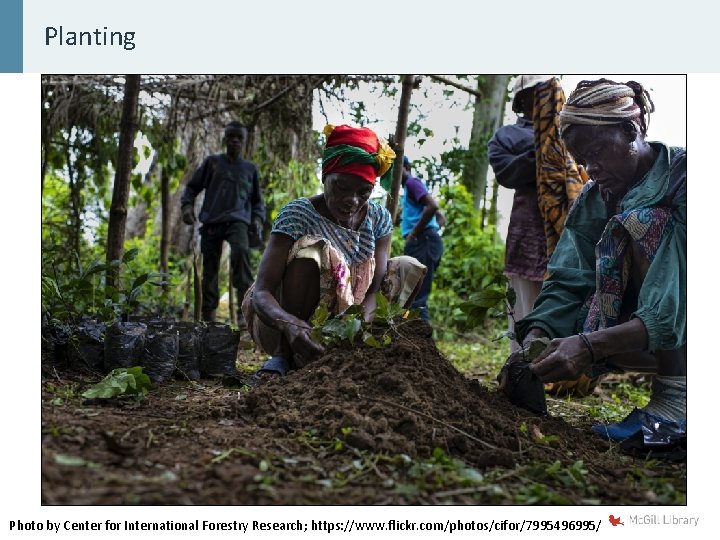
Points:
[(615, 296)]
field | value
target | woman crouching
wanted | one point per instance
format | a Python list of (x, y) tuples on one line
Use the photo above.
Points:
[(331, 248), (615, 295)]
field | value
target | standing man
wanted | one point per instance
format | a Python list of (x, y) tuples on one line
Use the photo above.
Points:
[(232, 208), (421, 220)]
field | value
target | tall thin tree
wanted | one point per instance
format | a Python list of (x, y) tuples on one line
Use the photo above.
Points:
[(121, 185), (165, 223), (408, 82), (487, 115)]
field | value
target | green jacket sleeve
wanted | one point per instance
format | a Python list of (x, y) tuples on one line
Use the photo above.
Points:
[(662, 302), (560, 307)]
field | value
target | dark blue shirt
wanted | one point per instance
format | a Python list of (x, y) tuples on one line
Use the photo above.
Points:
[(232, 190)]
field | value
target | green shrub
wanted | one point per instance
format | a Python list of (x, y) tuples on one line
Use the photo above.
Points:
[(70, 291), (473, 257)]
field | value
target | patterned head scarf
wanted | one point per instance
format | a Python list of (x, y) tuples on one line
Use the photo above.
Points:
[(357, 151), (604, 102)]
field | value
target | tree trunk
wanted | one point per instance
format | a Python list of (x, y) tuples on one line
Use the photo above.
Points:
[(197, 285), (492, 219), (75, 200), (165, 224), (45, 142), (487, 116), (493, 212), (185, 314), (408, 81), (121, 185), (137, 216), (231, 294)]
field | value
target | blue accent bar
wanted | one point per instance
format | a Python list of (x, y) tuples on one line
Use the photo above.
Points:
[(11, 36)]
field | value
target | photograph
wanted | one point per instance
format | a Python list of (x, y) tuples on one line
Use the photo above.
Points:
[(363, 289)]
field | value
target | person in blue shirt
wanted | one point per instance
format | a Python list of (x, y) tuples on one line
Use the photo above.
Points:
[(421, 221)]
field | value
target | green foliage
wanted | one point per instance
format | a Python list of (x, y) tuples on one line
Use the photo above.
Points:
[(536, 493), (312, 439), (473, 261), (386, 312), (492, 295), (440, 170), (334, 330), (397, 244), (62, 228), (647, 480), (574, 475), (543, 483), (120, 382), (70, 291), (78, 153), (62, 394), (127, 299), (148, 300), (358, 113), (624, 396), (345, 327), (479, 357), (286, 182), (437, 472), (80, 137), (221, 456), (384, 324), (168, 156)]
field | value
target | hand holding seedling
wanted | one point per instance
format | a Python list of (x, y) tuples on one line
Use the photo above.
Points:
[(304, 348), (564, 359)]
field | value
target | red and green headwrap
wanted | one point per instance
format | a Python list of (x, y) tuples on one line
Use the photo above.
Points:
[(357, 151)]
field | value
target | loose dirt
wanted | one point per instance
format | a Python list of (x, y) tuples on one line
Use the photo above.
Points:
[(360, 426)]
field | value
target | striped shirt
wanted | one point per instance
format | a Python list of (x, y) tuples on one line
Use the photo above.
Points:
[(299, 218)]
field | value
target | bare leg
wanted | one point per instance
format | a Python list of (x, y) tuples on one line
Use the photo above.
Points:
[(526, 292), (300, 295), (301, 288)]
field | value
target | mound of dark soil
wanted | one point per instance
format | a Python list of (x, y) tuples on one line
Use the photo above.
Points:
[(403, 399), (409, 399)]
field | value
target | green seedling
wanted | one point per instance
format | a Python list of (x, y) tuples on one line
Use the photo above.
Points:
[(120, 382)]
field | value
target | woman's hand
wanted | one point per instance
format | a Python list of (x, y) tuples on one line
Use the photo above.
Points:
[(304, 348), (533, 334), (564, 359), (369, 304)]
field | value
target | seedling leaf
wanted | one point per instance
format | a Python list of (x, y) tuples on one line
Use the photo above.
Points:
[(121, 381)]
